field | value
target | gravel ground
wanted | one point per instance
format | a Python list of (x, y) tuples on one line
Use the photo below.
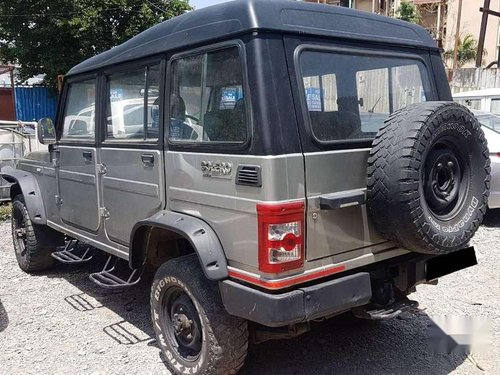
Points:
[(59, 323)]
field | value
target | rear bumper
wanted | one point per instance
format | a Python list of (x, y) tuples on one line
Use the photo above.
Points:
[(335, 296), (303, 304)]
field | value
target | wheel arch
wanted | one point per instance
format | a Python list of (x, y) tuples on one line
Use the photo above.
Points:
[(25, 183), (202, 238)]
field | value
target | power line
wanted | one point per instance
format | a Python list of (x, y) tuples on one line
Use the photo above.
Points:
[(155, 6)]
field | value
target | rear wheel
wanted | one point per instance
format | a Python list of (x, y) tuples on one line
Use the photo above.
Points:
[(27, 236), (194, 331)]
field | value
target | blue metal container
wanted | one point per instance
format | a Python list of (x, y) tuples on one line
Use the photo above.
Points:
[(34, 103)]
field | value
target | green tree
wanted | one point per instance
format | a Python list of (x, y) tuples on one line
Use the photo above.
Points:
[(50, 36), (467, 51), (409, 13)]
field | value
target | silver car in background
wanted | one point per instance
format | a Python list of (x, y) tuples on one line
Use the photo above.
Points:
[(491, 127)]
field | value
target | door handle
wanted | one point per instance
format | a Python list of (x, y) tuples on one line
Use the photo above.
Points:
[(87, 155), (148, 159), (341, 200)]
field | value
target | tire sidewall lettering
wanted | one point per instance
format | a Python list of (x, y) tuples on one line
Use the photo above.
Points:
[(161, 286)]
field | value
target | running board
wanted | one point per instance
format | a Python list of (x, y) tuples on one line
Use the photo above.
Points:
[(72, 254), (108, 278), (388, 312)]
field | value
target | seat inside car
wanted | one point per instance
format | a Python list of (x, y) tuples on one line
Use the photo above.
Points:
[(226, 125)]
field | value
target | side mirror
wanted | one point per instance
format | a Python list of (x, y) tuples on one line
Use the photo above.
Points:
[(46, 132)]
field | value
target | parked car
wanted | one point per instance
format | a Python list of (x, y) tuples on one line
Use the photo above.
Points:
[(16, 140), (293, 202), (486, 100), (491, 128)]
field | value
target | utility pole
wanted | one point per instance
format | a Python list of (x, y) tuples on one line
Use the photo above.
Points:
[(482, 34), (457, 35), (438, 25)]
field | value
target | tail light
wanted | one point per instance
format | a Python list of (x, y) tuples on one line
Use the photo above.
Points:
[(281, 236)]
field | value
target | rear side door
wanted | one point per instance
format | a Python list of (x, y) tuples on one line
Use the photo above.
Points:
[(344, 94), (76, 156), (130, 155)]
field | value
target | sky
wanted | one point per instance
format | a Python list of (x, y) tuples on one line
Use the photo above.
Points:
[(205, 3)]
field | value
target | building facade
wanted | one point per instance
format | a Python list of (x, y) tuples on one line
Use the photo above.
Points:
[(470, 23), (440, 18)]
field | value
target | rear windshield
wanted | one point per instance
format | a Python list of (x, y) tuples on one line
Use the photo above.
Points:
[(350, 95)]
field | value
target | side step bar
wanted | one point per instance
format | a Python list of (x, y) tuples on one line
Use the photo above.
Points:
[(74, 254), (108, 278)]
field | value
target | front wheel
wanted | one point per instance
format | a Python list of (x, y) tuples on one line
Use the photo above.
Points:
[(194, 331), (27, 237)]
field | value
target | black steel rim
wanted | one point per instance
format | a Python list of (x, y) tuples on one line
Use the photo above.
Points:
[(445, 179), (181, 322), (20, 232)]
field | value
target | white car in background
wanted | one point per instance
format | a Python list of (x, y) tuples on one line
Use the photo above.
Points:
[(491, 127)]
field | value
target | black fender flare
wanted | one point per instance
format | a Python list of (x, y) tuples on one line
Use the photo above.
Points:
[(30, 189), (200, 235)]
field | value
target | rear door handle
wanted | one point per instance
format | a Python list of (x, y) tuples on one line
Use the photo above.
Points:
[(148, 159), (87, 155), (343, 199)]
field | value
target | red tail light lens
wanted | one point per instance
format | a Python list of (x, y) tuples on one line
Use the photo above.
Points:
[(281, 236)]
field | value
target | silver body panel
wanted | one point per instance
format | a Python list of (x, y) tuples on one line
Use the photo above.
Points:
[(333, 232), (77, 179), (131, 190), (230, 209)]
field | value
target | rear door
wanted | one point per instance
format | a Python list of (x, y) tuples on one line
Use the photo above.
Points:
[(344, 94), (132, 163), (77, 154)]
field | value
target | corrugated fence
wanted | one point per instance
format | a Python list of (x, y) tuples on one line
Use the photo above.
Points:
[(34, 103)]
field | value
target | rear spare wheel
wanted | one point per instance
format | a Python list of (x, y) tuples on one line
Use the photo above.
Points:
[(429, 177)]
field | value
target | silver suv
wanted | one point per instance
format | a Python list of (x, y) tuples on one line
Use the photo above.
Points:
[(277, 162)]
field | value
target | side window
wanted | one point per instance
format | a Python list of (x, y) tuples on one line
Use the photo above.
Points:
[(207, 99), (321, 93), (495, 106), (350, 95), (407, 86), (79, 113), (373, 91), (474, 104), (133, 105)]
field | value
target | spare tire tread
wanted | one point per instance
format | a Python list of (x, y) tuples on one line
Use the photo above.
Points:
[(400, 141)]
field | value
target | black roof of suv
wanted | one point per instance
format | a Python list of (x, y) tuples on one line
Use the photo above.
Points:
[(241, 16)]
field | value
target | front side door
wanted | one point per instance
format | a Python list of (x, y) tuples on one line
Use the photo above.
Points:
[(76, 155), (131, 157), (345, 94)]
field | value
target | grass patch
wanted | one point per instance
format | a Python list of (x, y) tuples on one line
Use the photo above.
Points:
[(4, 212)]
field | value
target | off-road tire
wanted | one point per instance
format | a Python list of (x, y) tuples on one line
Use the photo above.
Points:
[(224, 337), (30, 256), (413, 173)]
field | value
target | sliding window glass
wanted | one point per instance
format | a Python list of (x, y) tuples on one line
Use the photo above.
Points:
[(133, 105), (207, 99)]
